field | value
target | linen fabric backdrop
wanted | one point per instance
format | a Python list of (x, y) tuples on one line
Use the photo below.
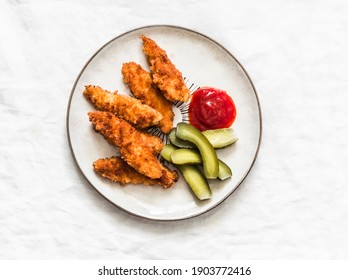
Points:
[(293, 204)]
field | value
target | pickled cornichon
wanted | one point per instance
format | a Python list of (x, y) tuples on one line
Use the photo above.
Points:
[(193, 176), (191, 148), (167, 151), (196, 180), (188, 132), (189, 156), (219, 138), (186, 156), (179, 142), (224, 171)]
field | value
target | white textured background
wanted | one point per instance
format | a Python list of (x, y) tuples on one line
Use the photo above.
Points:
[(294, 203)]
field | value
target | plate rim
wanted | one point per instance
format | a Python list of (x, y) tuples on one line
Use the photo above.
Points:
[(231, 55)]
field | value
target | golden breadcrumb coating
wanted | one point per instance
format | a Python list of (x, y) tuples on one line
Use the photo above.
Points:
[(164, 73), (131, 145), (142, 86), (125, 107), (117, 170), (169, 177), (154, 142)]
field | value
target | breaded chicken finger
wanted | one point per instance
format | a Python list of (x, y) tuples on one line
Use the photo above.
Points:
[(131, 145), (117, 170), (165, 75), (125, 107), (142, 86), (154, 142)]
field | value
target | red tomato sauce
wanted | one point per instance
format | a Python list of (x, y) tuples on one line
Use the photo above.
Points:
[(211, 108)]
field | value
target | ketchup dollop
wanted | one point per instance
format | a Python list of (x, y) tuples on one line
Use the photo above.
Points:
[(211, 108)]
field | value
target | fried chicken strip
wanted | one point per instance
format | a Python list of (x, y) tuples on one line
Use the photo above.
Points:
[(131, 146), (142, 86), (154, 142), (117, 170), (165, 75), (169, 177), (125, 107)]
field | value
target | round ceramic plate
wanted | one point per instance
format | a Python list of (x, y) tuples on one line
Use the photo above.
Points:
[(203, 62)]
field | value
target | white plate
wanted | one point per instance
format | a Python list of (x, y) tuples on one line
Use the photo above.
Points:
[(205, 63)]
